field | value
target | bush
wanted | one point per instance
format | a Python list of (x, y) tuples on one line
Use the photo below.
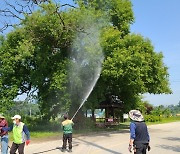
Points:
[(152, 118), (38, 124)]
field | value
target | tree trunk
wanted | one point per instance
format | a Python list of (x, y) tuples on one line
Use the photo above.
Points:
[(93, 115)]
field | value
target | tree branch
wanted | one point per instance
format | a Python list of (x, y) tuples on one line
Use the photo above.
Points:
[(68, 5), (6, 25), (17, 10)]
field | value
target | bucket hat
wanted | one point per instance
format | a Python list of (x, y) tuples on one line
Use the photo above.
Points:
[(136, 115)]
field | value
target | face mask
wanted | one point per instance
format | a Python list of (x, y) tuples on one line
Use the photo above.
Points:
[(14, 122)]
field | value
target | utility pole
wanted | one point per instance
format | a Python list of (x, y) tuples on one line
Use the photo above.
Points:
[(30, 112)]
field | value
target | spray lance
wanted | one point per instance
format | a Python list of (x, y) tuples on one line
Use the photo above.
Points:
[(78, 109)]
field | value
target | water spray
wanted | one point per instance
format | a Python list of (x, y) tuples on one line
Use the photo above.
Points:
[(87, 54), (86, 97)]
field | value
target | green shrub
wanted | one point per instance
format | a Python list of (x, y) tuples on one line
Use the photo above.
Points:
[(152, 118), (38, 124)]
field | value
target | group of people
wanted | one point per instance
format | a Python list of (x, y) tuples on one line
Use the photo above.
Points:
[(139, 136), (21, 135)]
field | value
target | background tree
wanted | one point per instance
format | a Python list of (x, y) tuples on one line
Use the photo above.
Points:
[(133, 68), (23, 108), (34, 56), (131, 65)]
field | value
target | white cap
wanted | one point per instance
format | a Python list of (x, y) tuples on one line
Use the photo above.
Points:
[(16, 117)]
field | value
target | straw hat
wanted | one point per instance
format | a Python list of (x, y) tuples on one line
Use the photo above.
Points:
[(136, 115)]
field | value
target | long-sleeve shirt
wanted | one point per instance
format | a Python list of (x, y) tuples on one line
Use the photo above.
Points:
[(25, 130), (3, 123)]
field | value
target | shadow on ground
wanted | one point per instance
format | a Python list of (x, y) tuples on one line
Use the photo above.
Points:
[(105, 133), (98, 146), (45, 151), (172, 138), (57, 148), (172, 148)]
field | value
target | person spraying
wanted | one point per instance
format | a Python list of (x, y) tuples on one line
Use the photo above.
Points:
[(67, 126)]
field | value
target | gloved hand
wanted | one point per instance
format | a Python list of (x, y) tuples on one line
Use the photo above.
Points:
[(72, 121), (27, 142), (149, 148), (130, 148)]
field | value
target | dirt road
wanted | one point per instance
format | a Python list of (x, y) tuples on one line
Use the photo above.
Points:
[(165, 139)]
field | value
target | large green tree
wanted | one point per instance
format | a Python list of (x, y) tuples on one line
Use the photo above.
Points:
[(133, 67), (34, 57)]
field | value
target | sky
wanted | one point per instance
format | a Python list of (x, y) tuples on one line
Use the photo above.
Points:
[(159, 20)]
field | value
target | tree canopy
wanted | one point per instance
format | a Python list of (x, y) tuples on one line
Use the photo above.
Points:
[(35, 56)]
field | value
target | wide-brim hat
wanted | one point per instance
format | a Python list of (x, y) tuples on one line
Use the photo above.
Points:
[(1, 116), (16, 117), (136, 115)]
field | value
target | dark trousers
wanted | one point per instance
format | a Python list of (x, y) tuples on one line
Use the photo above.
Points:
[(141, 148), (67, 137), (19, 147)]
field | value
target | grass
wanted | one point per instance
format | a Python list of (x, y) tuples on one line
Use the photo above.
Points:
[(165, 120), (41, 135), (44, 134)]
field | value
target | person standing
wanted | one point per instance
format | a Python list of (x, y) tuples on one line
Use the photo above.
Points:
[(67, 126), (3, 135), (139, 135), (21, 135)]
